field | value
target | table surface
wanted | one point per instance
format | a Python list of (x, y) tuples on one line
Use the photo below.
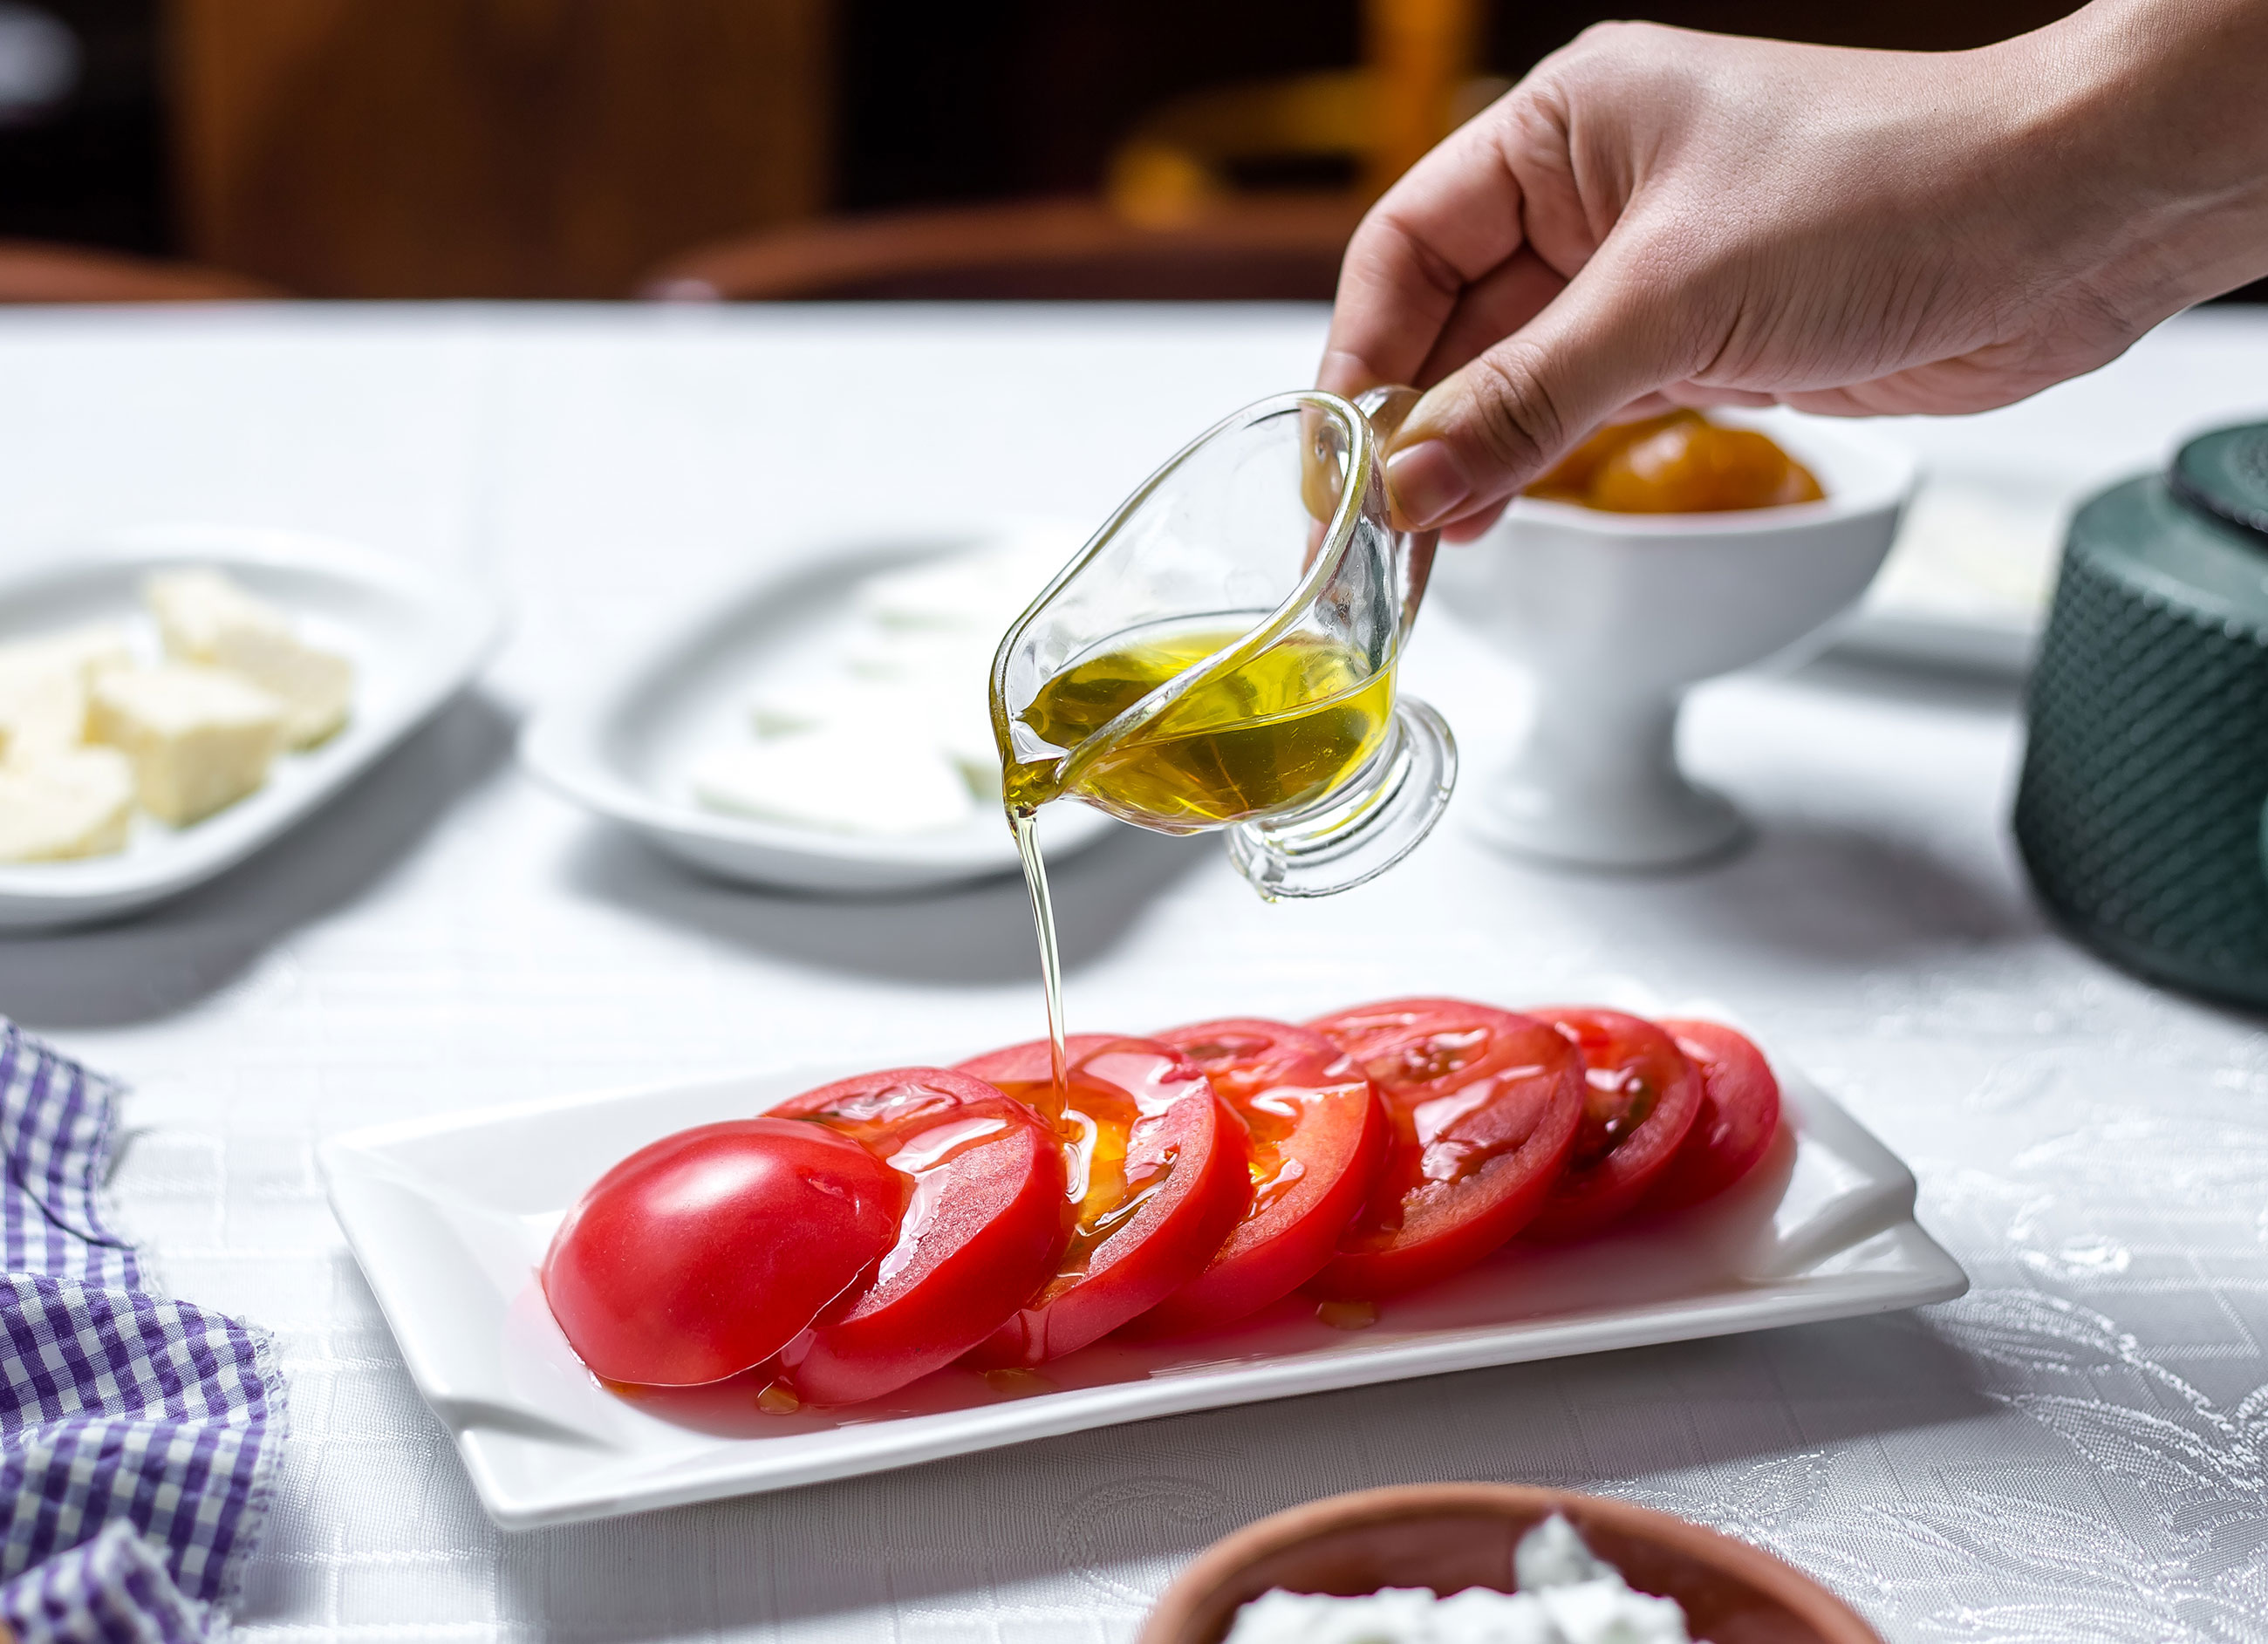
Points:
[(2078, 1450)]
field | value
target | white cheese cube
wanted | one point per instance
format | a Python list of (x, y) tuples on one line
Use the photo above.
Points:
[(206, 618), (845, 784), (201, 739), (43, 683), (77, 803)]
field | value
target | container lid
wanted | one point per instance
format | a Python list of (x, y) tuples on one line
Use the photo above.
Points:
[(2226, 474)]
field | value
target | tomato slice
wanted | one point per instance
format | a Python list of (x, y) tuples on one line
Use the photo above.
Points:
[(1155, 1181), (703, 1254), (982, 1228), (1740, 1115), (1315, 1134), (1639, 1098), (1485, 1105)]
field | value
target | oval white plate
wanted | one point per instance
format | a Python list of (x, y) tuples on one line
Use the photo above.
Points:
[(623, 747), (415, 637)]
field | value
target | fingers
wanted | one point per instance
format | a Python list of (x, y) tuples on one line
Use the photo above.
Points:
[(1494, 306), (1619, 331), (1472, 527), (1451, 217)]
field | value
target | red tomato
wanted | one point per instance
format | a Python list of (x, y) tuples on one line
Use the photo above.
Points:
[(982, 1228), (1740, 1115), (1156, 1181), (704, 1253), (1639, 1101), (1314, 1135), (1485, 1105)]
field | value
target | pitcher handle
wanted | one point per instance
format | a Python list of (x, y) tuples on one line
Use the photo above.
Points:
[(1388, 408)]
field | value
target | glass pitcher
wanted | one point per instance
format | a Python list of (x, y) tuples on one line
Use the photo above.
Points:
[(1222, 654)]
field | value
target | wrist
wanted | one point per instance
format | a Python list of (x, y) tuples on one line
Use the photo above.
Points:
[(2150, 117)]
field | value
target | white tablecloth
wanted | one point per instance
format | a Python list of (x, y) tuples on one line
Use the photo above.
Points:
[(2077, 1450)]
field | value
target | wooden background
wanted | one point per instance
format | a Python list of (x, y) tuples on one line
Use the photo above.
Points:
[(558, 148)]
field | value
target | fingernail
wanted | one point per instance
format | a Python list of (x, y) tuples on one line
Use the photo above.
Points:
[(1426, 483)]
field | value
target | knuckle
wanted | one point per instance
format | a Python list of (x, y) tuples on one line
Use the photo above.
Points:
[(1514, 418)]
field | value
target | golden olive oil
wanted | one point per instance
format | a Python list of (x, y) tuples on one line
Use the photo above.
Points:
[(1276, 732)]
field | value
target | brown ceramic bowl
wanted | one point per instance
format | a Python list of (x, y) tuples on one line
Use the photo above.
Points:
[(1449, 1536)]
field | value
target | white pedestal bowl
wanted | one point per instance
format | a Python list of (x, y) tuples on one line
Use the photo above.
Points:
[(1616, 616)]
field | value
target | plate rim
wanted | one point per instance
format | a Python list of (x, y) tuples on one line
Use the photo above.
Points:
[(465, 616), (861, 1450)]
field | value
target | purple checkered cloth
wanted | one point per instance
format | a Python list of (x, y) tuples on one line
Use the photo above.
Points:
[(137, 1434)]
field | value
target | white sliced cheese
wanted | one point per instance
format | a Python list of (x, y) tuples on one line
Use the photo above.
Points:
[(958, 722), (986, 589), (936, 656), (201, 739), (206, 618), (43, 683), (899, 741), (844, 785), (800, 705), (77, 803)]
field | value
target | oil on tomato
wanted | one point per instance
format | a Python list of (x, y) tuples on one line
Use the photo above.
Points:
[(1314, 1135), (1155, 1181), (1485, 1105), (1639, 1098), (982, 1228)]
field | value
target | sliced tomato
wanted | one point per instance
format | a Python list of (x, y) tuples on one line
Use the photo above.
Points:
[(1155, 1181), (1484, 1103), (1740, 1115), (1315, 1134), (1639, 1099), (982, 1228), (703, 1254)]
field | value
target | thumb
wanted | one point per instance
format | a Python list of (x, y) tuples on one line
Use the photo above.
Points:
[(1504, 417)]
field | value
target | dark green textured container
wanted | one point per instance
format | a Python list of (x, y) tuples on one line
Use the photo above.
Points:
[(2144, 790)]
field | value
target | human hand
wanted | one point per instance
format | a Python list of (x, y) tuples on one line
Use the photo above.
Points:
[(1655, 216)]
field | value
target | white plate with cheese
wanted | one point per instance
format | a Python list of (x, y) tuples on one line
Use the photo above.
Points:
[(823, 728), (372, 647)]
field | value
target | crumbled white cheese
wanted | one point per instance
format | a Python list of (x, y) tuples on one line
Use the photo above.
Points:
[(43, 684), (1553, 1555), (1394, 1615), (204, 617), (200, 738), (75, 803), (1568, 1595)]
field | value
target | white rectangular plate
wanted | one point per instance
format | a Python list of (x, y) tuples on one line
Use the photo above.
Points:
[(415, 638), (449, 1218)]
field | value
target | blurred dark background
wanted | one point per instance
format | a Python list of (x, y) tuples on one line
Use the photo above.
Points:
[(992, 99), (566, 148)]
